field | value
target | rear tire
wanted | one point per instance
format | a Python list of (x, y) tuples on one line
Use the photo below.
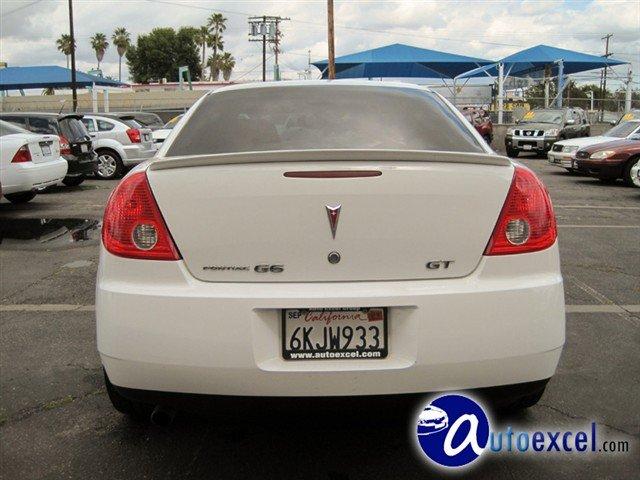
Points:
[(631, 172), (110, 164), (20, 197), (73, 181), (512, 153), (571, 171), (136, 410)]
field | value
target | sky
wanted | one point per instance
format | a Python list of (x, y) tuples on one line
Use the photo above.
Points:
[(481, 28)]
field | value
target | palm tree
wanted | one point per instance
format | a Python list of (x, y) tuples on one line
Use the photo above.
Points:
[(64, 45), (99, 44), (122, 40), (217, 23), (204, 39), (215, 65), (227, 62)]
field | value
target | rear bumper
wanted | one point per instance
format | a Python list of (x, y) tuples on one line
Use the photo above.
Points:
[(85, 165), (160, 330), (28, 176), (135, 154)]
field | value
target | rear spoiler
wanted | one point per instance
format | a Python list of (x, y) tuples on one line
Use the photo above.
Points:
[(77, 116), (277, 156)]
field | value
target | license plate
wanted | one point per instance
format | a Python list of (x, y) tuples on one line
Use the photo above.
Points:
[(84, 148), (556, 160), (527, 147), (337, 333), (46, 149)]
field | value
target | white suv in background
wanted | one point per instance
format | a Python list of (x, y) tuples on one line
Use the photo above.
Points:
[(119, 141)]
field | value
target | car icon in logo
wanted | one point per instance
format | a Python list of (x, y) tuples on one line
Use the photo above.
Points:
[(431, 420)]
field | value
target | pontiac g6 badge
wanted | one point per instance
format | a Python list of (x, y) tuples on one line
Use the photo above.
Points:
[(334, 214)]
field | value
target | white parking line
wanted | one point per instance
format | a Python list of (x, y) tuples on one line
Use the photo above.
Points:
[(597, 207), (62, 307)]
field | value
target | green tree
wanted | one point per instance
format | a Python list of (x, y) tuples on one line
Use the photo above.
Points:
[(227, 63), (204, 39), (217, 24), (99, 44), (158, 55), (64, 45), (122, 40)]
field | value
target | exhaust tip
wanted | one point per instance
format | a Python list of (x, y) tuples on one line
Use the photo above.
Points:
[(162, 416)]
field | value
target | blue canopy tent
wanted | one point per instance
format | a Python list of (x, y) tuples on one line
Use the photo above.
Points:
[(22, 78), (534, 61), (400, 61)]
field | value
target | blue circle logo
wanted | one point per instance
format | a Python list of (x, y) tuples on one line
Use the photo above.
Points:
[(452, 430)]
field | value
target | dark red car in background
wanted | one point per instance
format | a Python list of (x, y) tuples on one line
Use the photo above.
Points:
[(481, 121), (611, 160)]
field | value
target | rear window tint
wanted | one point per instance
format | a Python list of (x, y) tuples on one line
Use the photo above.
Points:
[(44, 125), (73, 129), (321, 117), (7, 128)]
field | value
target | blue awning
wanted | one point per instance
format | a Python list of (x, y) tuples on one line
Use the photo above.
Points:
[(18, 78), (400, 61), (533, 61)]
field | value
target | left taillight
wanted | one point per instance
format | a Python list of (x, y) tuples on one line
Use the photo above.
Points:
[(133, 226), (134, 135), (22, 155)]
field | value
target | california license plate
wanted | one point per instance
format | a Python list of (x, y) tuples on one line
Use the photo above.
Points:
[(46, 149), (84, 148), (336, 333), (527, 147)]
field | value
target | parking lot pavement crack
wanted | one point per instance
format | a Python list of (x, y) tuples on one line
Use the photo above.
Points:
[(51, 405), (578, 417), (31, 285)]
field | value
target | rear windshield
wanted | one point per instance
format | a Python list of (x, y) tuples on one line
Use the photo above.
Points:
[(321, 117), (7, 128), (73, 129), (148, 119), (44, 125)]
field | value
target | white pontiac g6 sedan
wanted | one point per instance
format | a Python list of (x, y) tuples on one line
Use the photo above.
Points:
[(308, 239)]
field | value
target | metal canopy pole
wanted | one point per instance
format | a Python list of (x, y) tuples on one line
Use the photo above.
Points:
[(500, 91), (627, 97), (560, 82)]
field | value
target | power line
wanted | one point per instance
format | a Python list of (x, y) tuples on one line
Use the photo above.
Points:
[(22, 7)]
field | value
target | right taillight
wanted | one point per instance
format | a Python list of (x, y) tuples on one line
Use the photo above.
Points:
[(133, 226), (527, 222), (134, 135), (65, 147), (22, 155)]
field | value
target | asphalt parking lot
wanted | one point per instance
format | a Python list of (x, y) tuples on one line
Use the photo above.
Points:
[(57, 422)]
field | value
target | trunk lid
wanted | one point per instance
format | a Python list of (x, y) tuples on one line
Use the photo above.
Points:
[(44, 148), (248, 222)]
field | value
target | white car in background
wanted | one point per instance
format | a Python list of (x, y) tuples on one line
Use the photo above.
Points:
[(562, 152), (160, 135), (119, 141), (376, 247), (28, 162)]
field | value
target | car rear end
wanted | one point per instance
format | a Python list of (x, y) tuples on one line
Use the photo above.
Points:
[(414, 263), (137, 141), (76, 147), (35, 162)]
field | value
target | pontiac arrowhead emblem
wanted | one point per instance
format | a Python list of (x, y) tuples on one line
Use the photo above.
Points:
[(334, 214)]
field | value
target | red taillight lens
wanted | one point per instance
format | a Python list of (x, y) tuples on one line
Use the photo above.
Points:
[(134, 135), (65, 147), (133, 226), (22, 155), (527, 222)]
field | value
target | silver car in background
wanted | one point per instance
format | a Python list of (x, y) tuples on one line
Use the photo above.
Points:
[(120, 142)]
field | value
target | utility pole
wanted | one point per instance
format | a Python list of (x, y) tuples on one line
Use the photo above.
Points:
[(74, 93), (331, 35), (603, 92), (266, 29)]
